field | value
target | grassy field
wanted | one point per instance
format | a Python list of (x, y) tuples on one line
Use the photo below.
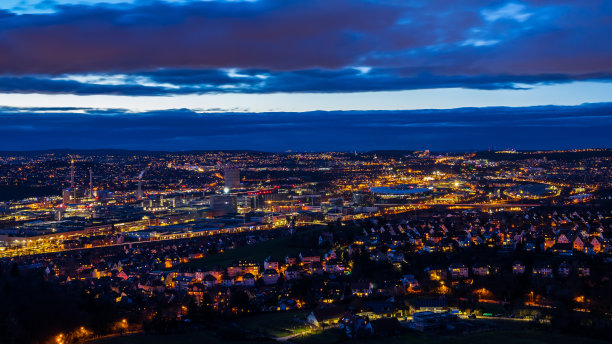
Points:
[(191, 337), (187, 338), (279, 248), (497, 337), (256, 252), (336, 336), (277, 324)]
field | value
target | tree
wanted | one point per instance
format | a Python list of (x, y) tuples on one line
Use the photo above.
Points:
[(240, 300)]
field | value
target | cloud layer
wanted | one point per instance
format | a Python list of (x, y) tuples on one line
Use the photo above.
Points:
[(182, 47), (544, 127)]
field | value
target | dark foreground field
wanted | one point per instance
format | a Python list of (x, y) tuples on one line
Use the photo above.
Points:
[(331, 336)]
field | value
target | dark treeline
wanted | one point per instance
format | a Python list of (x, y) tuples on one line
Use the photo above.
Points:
[(34, 310)]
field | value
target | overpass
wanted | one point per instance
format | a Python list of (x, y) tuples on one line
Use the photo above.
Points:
[(473, 205)]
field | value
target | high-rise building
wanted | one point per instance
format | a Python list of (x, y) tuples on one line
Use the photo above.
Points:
[(68, 195), (139, 192), (232, 179), (223, 204), (72, 195), (363, 198), (336, 202)]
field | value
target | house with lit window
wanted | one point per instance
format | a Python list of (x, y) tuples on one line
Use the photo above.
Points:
[(248, 280), (542, 270), (292, 272), (578, 244), (209, 281), (410, 283), (310, 257), (480, 270), (458, 271), (362, 288), (596, 244), (518, 268), (583, 271), (271, 263), (564, 269), (436, 273), (325, 316), (429, 305), (270, 276)]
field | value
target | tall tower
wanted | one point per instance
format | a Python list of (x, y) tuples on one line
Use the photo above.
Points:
[(90, 184), (139, 191), (69, 194), (232, 178), (71, 172)]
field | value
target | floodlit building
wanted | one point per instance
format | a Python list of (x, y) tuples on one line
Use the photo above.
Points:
[(232, 178)]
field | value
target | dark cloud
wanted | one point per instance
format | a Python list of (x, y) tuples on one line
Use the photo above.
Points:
[(307, 45), (40, 84), (544, 127), (166, 82), (272, 34)]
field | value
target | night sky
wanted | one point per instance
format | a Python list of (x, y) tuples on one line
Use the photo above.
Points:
[(309, 75)]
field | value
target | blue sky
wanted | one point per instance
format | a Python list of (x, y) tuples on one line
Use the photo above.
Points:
[(145, 57)]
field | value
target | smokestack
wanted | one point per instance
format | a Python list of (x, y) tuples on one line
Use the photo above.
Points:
[(71, 172), (139, 191), (90, 184)]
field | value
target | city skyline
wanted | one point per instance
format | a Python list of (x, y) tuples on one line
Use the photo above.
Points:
[(110, 247)]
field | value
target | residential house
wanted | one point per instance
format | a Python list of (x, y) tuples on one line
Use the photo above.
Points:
[(227, 281), (378, 309), (410, 283), (352, 325), (248, 280), (271, 264), (436, 273), (209, 281), (564, 269), (563, 249), (458, 271), (182, 282), (292, 260), (197, 291), (518, 268), (320, 317), (480, 270), (316, 268), (362, 288), (429, 305), (578, 244), (583, 271), (596, 244), (310, 257), (242, 267), (542, 270), (292, 272), (270, 276)]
